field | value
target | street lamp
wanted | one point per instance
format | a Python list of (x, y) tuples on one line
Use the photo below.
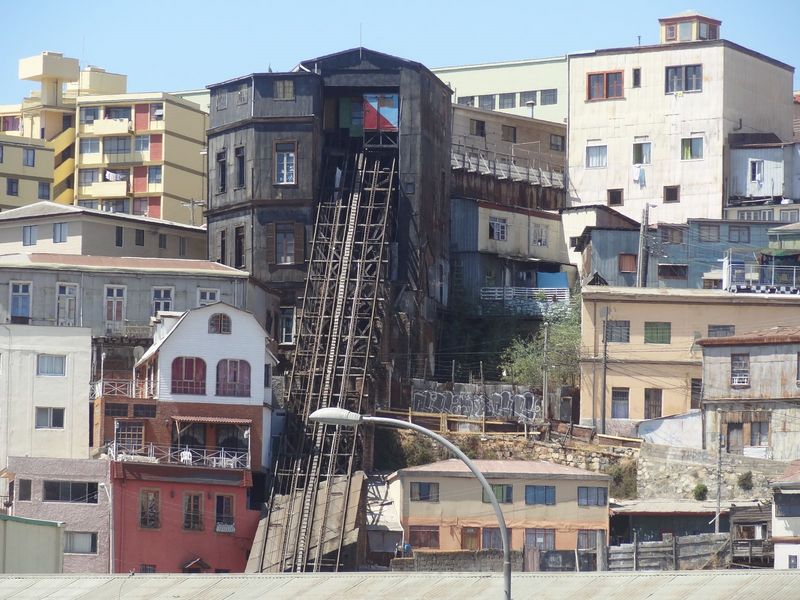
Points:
[(343, 417)]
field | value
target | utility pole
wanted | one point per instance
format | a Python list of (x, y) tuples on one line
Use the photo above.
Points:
[(545, 401), (641, 259), (191, 203), (605, 372), (719, 473)]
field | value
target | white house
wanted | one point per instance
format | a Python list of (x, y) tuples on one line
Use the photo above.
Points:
[(786, 519)]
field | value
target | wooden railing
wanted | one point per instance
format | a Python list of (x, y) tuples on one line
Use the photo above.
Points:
[(129, 388)]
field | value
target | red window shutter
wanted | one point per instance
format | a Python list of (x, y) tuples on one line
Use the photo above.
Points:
[(139, 179), (156, 149), (154, 207), (141, 117)]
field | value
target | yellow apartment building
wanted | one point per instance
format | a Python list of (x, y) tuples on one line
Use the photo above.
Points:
[(653, 365), (26, 171), (546, 506)]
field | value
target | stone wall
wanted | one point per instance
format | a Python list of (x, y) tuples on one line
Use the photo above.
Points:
[(457, 561), (667, 472)]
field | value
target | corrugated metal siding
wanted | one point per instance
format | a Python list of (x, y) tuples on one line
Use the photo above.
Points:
[(463, 225), (772, 183)]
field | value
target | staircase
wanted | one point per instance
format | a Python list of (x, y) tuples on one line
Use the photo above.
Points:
[(63, 146)]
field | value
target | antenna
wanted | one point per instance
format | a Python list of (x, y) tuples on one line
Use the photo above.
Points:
[(360, 47), (639, 38)]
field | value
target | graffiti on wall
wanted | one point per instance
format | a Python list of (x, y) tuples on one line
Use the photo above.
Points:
[(523, 407)]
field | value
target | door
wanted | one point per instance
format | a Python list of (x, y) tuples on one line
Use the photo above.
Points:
[(735, 438)]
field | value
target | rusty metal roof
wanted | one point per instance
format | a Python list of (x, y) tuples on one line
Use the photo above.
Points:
[(682, 585), (781, 334)]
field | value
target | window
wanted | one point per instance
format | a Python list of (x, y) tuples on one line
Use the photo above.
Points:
[(637, 77), (89, 114), (49, 418), (286, 325), (87, 176), (787, 505), (477, 127), (755, 215), (790, 215), (23, 490), (142, 143), (687, 78), (792, 561), (139, 237), (614, 197), (119, 239), (193, 512), (89, 145), (759, 433), (423, 536), (154, 174), (20, 302), (504, 492), (540, 494), (76, 542), (233, 378), (626, 263), (149, 509), (162, 241), (508, 133), (51, 365), (207, 296), (423, 491), (696, 393), (285, 153), (508, 100), (525, 97), (692, 148), (284, 89), (671, 235), (12, 187), (284, 243), (756, 171), (498, 229), (238, 248), (602, 86), (219, 323), (117, 145), (739, 233), (657, 332), (29, 235), (222, 172), (740, 369), (130, 435), (144, 411), (549, 97), (267, 375), (667, 271), (188, 375), (223, 515), (596, 157), (541, 539), (618, 332), (28, 157), (44, 190), (641, 153), (619, 403), (115, 305), (652, 403), (491, 539), (466, 100), (721, 330), (592, 496), (118, 112), (238, 155), (60, 233), (709, 233), (471, 538), (539, 234), (162, 299), (116, 409), (672, 193), (70, 491), (486, 101), (222, 101), (157, 111), (707, 31), (223, 252), (556, 142), (587, 538), (181, 246)]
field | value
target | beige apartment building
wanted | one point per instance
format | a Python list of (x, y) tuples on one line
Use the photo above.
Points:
[(653, 364), (529, 88), (649, 125), (55, 228), (546, 506), (26, 171)]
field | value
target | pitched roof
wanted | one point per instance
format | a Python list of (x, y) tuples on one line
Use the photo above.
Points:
[(663, 506), (178, 266), (508, 469), (780, 334)]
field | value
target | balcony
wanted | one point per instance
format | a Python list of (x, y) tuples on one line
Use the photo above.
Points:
[(127, 330), (107, 189), (225, 524), (112, 127), (125, 388), (188, 456), (740, 379), (533, 302), (505, 166)]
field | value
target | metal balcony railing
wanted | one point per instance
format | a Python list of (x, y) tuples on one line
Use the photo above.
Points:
[(505, 166), (127, 329), (519, 300), (740, 379), (190, 456)]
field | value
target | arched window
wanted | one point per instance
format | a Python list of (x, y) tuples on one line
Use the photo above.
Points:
[(233, 378), (219, 323), (231, 437), (188, 375)]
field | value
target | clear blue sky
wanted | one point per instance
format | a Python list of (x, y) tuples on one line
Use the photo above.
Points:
[(170, 45)]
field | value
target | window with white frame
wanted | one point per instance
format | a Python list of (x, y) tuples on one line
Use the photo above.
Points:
[(142, 143), (60, 232), (154, 174), (285, 155), (66, 304), (685, 78), (162, 299), (498, 229), (207, 296), (51, 365), (89, 145), (49, 418), (20, 301), (596, 157), (756, 171), (28, 157), (29, 235), (539, 234), (790, 215), (619, 403), (740, 369), (115, 307), (641, 153), (286, 324), (692, 148)]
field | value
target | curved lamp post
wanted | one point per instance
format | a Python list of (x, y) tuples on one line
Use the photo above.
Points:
[(340, 416)]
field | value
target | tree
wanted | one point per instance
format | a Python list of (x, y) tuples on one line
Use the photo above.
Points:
[(523, 360)]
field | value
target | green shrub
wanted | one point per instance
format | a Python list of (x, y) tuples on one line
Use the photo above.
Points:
[(623, 480), (700, 491), (745, 481)]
